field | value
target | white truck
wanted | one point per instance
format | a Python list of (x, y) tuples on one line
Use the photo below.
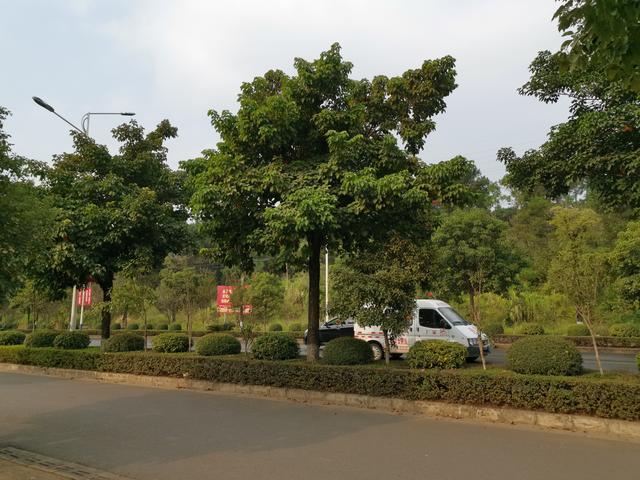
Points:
[(431, 320)]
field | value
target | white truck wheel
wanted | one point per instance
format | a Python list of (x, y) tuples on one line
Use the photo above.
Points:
[(378, 352)]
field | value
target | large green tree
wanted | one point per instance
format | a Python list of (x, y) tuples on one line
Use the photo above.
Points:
[(313, 160), (25, 215), (472, 256), (116, 213), (597, 147), (625, 258), (603, 34)]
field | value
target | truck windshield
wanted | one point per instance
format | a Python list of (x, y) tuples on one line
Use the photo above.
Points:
[(453, 316)]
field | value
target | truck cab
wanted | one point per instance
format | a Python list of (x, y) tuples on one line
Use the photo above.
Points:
[(431, 320)]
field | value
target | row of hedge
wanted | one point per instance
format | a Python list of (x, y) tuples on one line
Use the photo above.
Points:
[(607, 398), (613, 342)]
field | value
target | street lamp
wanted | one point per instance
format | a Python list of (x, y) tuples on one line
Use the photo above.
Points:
[(84, 122)]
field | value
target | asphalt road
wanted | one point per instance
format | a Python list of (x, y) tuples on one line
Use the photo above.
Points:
[(158, 434)]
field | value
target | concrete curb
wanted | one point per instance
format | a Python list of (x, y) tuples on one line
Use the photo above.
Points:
[(593, 426)]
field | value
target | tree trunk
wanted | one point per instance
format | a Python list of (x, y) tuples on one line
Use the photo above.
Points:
[(189, 329), (387, 347), (125, 318), (475, 314), (144, 318), (587, 322), (105, 314), (313, 324)]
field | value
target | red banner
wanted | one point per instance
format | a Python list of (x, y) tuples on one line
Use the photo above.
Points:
[(83, 296), (223, 300)]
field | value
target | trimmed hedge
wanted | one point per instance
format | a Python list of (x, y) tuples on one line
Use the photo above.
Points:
[(275, 327), (220, 327), (163, 326), (212, 344), (614, 342), (133, 326), (71, 340), (11, 337), (626, 330), (275, 346), (436, 354), (530, 329), (347, 351), (41, 339), (170, 343), (544, 356), (493, 329), (116, 326), (176, 327), (578, 330), (124, 342), (606, 398)]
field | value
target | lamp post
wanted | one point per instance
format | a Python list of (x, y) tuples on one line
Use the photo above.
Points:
[(84, 122)]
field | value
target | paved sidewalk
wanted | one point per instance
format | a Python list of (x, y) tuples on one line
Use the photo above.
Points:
[(13, 471)]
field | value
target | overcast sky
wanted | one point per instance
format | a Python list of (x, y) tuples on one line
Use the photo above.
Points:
[(177, 59)]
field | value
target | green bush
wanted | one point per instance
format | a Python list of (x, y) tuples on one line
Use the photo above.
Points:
[(124, 342), (601, 397), (171, 343), (133, 326), (163, 326), (436, 354), (578, 330), (529, 329), (601, 330), (41, 339), (275, 327), (624, 330), (493, 329), (211, 344), (11, 337), (275, 346), (295, 327), (347, 351), (72, 340), (176, 327), (149, 326), (116, 326), (540, 355)]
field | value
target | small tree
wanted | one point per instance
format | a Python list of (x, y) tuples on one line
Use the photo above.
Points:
[(189, 288), (579, 268), (473, 256), (134, 294), (378, 288), (246, 322), (265, 296)]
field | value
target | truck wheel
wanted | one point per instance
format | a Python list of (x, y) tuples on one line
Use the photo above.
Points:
[(378, 352)]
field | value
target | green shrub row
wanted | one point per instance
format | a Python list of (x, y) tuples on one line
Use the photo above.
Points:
[(436, 354), (347, 351), (11, 337), (544, 355), (581, 341), (607, 398), (626, 330)]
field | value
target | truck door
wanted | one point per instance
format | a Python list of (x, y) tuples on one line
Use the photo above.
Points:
[(431, 325)]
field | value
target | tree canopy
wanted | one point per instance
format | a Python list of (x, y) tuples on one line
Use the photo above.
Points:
[(114, 212), (313, 159)]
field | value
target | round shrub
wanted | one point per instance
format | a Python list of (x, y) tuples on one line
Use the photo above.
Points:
[(176, 327), (275, 346), (295, 327), (624, 330), (124, 342), (530, 329), (71, 340), (220, 327), (347, 351), (149, 326), (493, 329), (578, 330), (171, 343), (116, 326), (10, 337), (163, 326), (133, 326), (544, 356), (41, 339), (601, 330), (275, 327), (436, 354), (217, 345)]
